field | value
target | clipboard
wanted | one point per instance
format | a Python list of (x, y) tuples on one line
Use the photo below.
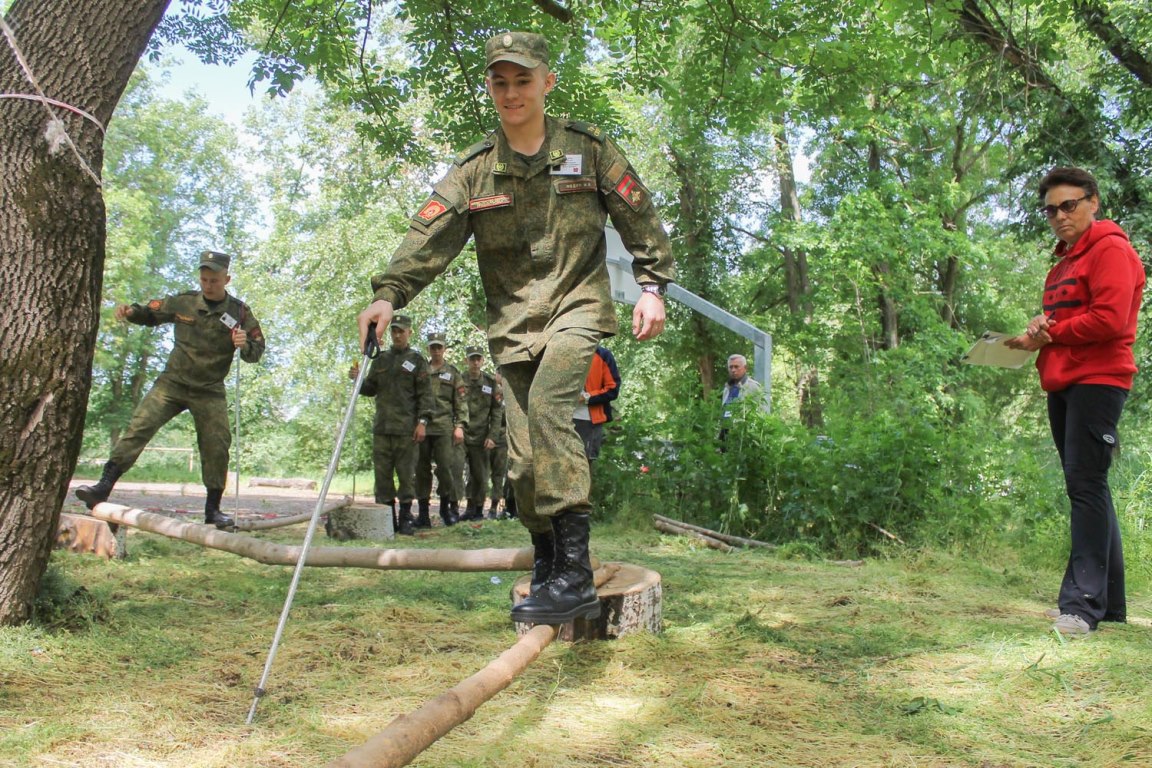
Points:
[(989, 349)]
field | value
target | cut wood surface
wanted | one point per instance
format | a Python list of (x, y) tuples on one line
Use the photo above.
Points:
[(461, 560), (630, 601), (87, 535), (371, 522), (409, 735)]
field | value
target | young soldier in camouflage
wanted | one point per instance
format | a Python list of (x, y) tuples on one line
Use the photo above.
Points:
[(398, 379), (445, 431), (210, 325), (485, 411), (535, 196)]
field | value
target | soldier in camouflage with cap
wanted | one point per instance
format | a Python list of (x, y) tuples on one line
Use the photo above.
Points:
[(535, 196), (445, 431), (209, 326), (398, 379), (485, 413)]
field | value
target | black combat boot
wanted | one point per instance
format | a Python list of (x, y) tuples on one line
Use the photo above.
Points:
[(454, 510), (569, 592), (92, 495), (446, 511), (472, 513), (212, 513), (404, 519), (422, 520), (510, 505), (545, 555)]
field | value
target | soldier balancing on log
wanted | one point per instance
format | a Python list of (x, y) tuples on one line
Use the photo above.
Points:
[(209, 326), (535, 195)]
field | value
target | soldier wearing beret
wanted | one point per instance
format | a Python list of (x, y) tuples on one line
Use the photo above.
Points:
[(398, 379), (209, 325), (485, 412), (444, 433), (535, 196)]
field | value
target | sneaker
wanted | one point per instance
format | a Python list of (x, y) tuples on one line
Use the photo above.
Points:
[(1071, 625)]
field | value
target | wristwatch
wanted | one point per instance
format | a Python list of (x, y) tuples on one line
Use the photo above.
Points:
[(655, 288), (424, 422)]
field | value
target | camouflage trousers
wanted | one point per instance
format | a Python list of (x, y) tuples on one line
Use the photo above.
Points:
[(438, 450), (394, 459), (498, 469), (477, 456), (546, 461), (164, 402)]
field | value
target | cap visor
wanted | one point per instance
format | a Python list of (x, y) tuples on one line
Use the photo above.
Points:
[(212, 266), (515, 58)]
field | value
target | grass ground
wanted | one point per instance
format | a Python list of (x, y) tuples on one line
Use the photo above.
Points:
[(925, 659)]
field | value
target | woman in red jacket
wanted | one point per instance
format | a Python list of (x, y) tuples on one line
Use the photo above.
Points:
[(1084, 336)]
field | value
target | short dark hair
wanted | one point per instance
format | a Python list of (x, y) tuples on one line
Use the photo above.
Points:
[(1072, 177)]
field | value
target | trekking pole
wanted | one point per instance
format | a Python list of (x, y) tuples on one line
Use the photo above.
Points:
[(371, 350)]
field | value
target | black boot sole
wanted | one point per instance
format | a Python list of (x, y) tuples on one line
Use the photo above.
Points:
[(587, 611), (89, 497)]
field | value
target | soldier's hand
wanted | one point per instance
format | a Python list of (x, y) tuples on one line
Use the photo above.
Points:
[(239, 337), (379, 312), (354, 371), (458, 436), (489, 444), (418, 433), (122, 311), (648, 317)]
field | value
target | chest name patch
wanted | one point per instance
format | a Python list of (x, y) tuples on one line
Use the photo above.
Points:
[(502, 200), (187, 319), (575, 185), (408, 365)]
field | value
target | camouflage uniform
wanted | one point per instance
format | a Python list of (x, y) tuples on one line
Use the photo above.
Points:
[(498, 459), (538, 225), (485, 410), (449, 410), (398, 379), (193, 378)]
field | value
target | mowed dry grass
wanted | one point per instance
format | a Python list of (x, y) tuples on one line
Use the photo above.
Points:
[(923, 659)]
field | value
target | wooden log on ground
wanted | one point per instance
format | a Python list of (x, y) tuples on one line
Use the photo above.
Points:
[(372, 522), (269, 553), (409, 735), (668, 527), (738, 541), (302, 483), (630, 601), (85, 534), (283, 522)]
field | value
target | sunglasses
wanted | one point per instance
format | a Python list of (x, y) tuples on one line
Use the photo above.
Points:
[(1068, 206)]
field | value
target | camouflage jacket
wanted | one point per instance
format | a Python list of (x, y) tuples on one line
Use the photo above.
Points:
[(485, 407), (539, 232), (398, 379), (450, 401), (202, 349)]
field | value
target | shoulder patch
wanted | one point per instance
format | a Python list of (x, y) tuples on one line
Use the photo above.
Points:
[(432, 210), (630, 190), (155, 305), (587, 128), (472, 151)]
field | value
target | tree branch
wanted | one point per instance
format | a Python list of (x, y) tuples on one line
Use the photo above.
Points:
[(1095, 18), (554, 9)]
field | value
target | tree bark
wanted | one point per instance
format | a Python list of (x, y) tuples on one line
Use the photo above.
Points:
[(1095, 17), (52, 234)]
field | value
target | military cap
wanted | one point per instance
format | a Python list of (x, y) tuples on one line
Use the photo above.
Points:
[(215, 261), (527, 49), (402, 321), (437, 340), (474, 352)]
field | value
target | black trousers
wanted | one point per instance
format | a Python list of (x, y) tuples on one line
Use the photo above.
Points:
[(1083, 418)]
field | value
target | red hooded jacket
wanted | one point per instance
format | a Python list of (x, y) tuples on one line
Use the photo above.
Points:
[(1092, 297)]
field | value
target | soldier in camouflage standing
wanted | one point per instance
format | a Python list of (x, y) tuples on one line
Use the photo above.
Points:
[(485, 409), (398, 379), (498, 464), (209, 326), (445, 432), (535, 196)]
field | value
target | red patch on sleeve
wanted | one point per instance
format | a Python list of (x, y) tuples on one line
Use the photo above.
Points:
[(431, 211), (256, 334), (155, 304), (630, 189)]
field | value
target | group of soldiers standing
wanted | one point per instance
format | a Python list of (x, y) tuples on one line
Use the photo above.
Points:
[(431, 418)]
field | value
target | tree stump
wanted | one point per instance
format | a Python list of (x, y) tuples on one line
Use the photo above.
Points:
[(81, 533), (360, 521), (630, 601)]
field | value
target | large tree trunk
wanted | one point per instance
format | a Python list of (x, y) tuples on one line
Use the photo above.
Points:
[(81, 52)]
